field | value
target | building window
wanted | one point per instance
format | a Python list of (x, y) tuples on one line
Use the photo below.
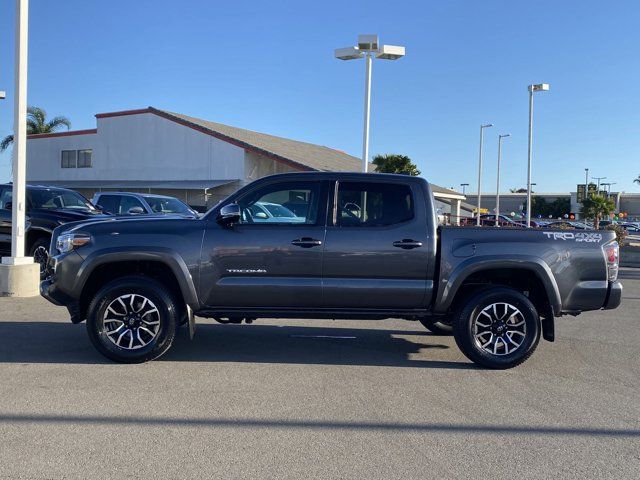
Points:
[(84, 158), (68, 159)]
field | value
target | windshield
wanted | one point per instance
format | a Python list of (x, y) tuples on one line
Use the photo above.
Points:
[(50, 199), (167, 205)]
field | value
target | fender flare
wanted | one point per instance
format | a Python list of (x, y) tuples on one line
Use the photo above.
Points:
[(158, 254), (449, 286)]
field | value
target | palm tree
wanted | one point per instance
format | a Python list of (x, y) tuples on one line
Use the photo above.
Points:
[(637, 180), (392, 163), (597, 207), (37, 123)]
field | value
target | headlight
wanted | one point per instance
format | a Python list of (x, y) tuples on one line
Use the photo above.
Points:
[(68, 241)]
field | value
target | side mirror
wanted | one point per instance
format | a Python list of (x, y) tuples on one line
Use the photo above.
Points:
[(99, 207), (229, 214), (136, 211), (8, 206)]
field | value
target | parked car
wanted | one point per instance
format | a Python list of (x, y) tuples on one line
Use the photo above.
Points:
[(631, 228), (46, 209), (127, 203), (270, 212), (369, 248), (568, 224)]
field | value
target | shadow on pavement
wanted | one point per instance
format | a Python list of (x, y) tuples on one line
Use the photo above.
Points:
[(318, 425), (52, 342)]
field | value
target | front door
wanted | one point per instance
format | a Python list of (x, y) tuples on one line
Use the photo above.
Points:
[(273, 257), (377, 249)]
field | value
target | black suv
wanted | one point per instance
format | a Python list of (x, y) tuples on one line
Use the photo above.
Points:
[(47, 208)]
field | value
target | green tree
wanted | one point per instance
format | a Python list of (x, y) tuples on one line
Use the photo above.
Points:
[(597, 207), (391, 163), (37, 123), (637, 179)]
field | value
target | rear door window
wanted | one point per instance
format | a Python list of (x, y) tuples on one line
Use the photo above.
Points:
[(362, 204)]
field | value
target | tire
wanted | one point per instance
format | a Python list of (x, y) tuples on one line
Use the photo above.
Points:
[(441, 326), (40, 253), (142, 319), (487, 339)]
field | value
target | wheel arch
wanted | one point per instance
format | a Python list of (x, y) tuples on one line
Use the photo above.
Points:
[(479, 271), (161, 264)]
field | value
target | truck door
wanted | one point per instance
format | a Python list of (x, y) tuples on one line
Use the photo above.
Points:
[(273, 256), (377, 249)]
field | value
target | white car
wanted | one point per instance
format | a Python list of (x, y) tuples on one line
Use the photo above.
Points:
[(273, 213)]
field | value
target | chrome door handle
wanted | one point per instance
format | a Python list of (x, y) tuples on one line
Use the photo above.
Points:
[(306, 242), (407, 244)]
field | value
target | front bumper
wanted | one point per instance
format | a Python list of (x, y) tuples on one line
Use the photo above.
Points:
[(614, 296)]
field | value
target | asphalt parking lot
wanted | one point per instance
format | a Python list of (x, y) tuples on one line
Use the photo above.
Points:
[(319, 399)]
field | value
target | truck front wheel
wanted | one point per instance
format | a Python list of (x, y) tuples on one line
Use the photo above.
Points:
[(497, 328), (132, 319)]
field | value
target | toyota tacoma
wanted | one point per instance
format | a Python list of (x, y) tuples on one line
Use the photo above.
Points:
[(342, 246)]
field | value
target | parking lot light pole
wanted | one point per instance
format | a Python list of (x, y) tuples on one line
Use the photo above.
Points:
[(540, 87), (19, 275), (367, 47), (464, 187), (500, 137), (482, 127)]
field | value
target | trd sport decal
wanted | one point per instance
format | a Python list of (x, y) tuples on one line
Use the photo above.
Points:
[(246, 270), (578, 237)]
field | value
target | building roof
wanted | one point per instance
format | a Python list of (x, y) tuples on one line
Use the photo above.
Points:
[(300, 155)]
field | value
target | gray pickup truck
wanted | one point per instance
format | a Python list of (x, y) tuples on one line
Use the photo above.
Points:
[(334, 245)]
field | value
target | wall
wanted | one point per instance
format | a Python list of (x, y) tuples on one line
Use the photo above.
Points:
[(138, 147)]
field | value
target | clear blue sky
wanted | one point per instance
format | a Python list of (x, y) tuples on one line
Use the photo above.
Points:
[(269, 66)]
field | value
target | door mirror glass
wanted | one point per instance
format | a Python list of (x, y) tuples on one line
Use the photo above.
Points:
[(135, 211), (229, 214)]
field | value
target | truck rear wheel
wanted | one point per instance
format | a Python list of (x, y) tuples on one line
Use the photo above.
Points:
[(132, 319), (438, 325), (497, 328)]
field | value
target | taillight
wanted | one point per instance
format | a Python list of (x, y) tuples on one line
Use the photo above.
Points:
[(612, 255)]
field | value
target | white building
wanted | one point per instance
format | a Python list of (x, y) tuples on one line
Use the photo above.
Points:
[(201, 162)]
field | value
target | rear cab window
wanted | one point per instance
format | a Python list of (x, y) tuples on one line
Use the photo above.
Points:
[(363, 204)]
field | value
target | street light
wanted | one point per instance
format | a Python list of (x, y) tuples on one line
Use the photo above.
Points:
[(464, 187), (598, 187), (482, 127), (367, 47), (540, 87), (3, 94), (500, 137)]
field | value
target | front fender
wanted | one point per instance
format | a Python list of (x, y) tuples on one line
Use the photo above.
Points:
[(450, 285), (161, 254)]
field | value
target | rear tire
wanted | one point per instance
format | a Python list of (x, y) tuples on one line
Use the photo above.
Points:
[(438, 325), (132, 319), (498, 328)]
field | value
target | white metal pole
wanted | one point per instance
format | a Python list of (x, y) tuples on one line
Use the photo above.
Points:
[(367, 112), (20, 131), (586, 182), (479, 177), (529, 157), (498, 180)]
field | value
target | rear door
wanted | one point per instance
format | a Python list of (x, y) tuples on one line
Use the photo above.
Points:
[(377, 249), (273, 257)]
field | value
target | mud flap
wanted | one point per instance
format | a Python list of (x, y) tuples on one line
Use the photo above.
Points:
[(548, 328), (191, 319)]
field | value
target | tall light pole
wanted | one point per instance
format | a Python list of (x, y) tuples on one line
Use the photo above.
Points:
[(367, 47), (19, 275), (500, 137), (482, 127), (540, 87), (586, 183), (464, 187)]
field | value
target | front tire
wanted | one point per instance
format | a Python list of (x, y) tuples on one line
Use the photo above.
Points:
[(132, 319), (497, 328), (40, 253)]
